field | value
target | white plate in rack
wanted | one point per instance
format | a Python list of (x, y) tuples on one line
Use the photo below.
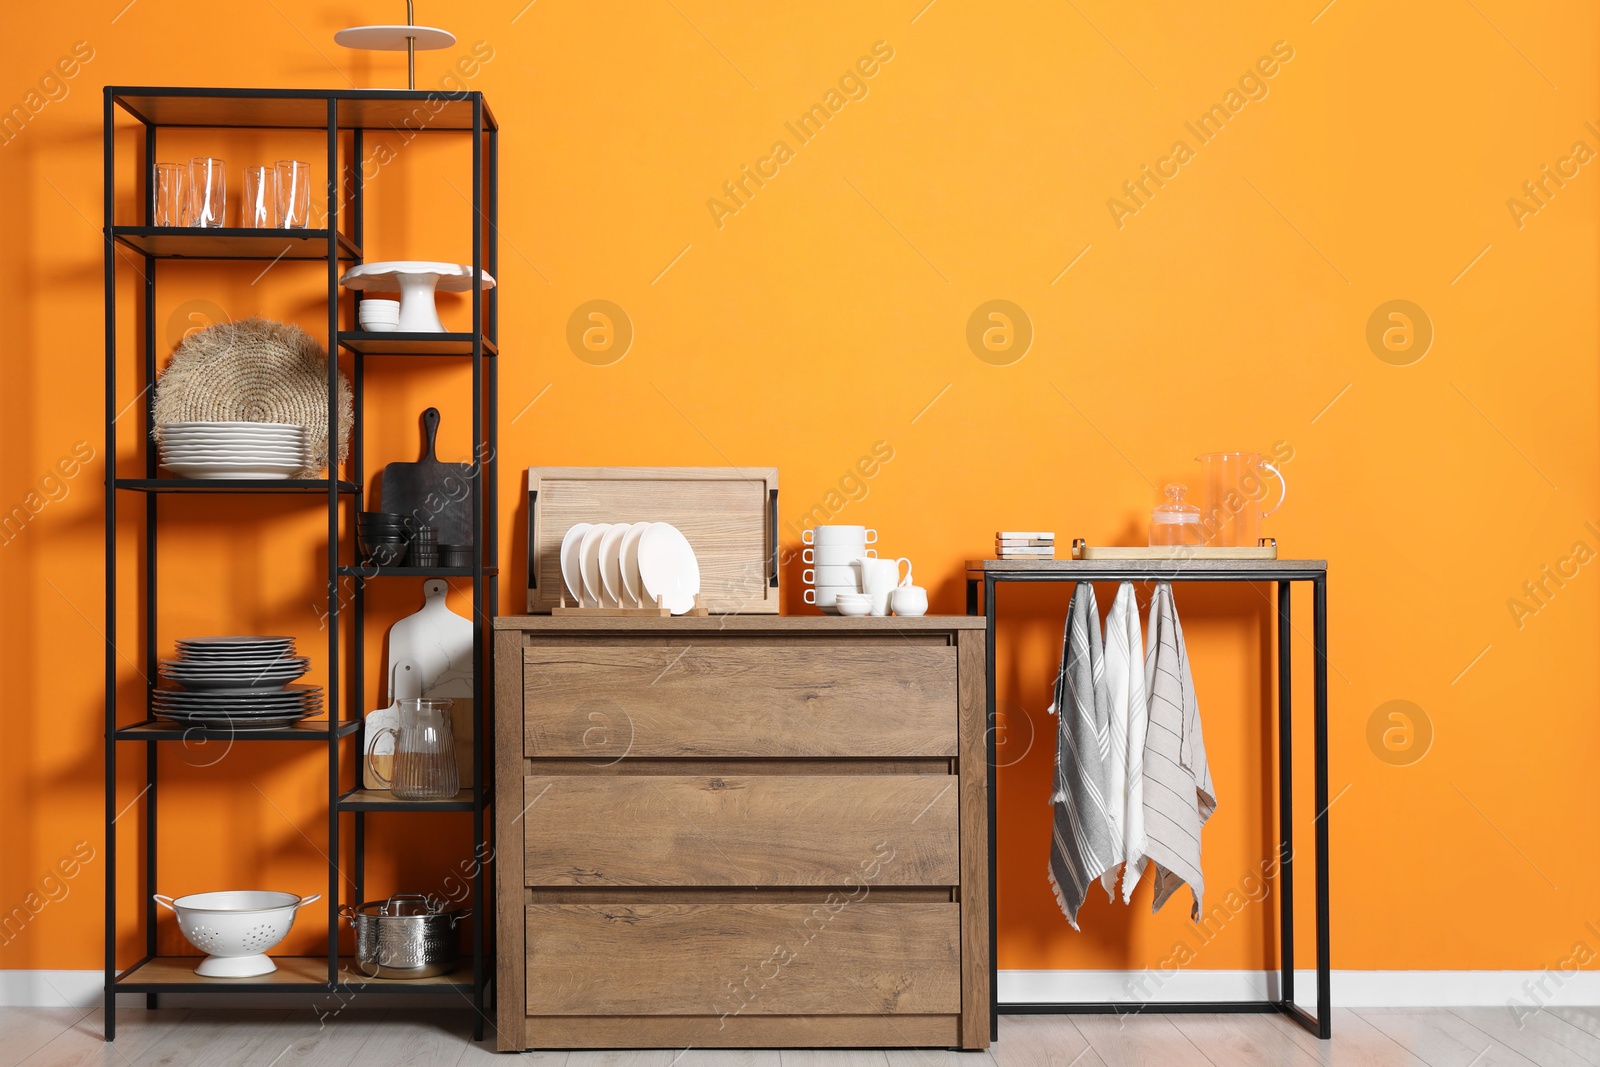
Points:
[(571, 571), (629, 559), (611, 561), (589, 563), (668, 568)]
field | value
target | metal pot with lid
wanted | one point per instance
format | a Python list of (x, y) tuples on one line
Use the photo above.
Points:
[(406, 936)]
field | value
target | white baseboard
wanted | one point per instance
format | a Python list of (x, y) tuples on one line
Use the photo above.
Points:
[(51, 989), (1351, 989)]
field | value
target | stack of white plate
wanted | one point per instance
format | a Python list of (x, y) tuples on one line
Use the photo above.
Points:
[(233, 449), (830, 555), (627, 565), (236, 681)]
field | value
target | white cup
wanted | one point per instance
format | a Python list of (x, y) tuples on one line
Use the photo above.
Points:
[(909, 600), (823, 574), (883, 575), (836, 555), (839, 535)]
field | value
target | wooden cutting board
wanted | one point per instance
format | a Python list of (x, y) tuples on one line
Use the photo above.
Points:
[(434, 493), (729, 515)]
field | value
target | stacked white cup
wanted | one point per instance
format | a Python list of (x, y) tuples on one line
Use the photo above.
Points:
[(832, 556)]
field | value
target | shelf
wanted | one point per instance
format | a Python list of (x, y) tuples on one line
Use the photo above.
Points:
[(230, 242), (230, 485), (412, 344), (167, 730), (1238, 570), (413, 572), (401, 110), (383, 800), (175, 974)]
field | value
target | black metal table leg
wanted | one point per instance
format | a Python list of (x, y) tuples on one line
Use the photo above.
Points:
[(1285, 797), (1324, 972)]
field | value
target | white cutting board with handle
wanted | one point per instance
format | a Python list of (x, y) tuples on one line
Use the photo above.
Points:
[(436, 640), (438, 643)]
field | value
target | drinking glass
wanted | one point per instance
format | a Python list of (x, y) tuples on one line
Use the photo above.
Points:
[(260, 197), (424, 751), (172, 194), (208, 192), (294, 194)]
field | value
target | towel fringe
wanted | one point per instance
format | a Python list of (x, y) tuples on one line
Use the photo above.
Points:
[(1061, 899)]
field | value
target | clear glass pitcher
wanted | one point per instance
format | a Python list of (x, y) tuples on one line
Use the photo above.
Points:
[(1235, 489), (424, 752)]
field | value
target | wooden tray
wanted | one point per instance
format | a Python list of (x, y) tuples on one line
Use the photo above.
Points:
[(1267, 549), (729, 515)]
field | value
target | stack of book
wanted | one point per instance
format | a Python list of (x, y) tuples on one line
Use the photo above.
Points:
[(1024, 545)]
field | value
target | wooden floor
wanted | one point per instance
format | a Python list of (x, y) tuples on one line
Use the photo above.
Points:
[(1463, 1037)]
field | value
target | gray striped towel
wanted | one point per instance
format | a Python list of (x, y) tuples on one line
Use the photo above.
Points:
[(1178, 794), (1083, 844), (1130, 719)]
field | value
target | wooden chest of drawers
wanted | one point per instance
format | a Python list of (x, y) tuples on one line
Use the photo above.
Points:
[(741, 831)]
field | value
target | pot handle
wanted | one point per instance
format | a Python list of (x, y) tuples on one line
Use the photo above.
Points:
[(312, 899), (347, 911), (456, 919), (164, 901)]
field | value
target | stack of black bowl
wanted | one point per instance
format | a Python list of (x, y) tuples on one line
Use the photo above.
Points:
[(384, 538)]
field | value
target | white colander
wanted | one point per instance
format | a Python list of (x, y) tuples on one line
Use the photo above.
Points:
[(235, 929)]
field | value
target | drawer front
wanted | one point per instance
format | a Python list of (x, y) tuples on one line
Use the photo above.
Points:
[(840, 956), (766, 830), (870, 698)]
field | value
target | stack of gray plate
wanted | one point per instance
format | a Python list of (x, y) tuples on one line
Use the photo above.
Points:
[(243, 682)]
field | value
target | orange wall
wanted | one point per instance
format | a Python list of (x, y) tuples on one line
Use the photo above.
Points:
[(830, 313)]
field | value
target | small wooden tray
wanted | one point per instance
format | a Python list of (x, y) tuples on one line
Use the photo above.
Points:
[(1266, 549)]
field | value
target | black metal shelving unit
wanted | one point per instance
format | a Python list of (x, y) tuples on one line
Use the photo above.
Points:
[(984, 576), (344, 116)]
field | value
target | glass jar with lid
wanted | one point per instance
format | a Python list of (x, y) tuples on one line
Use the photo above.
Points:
[(1174, 523)]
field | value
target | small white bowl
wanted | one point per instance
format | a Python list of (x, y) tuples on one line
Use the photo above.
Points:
[(379, 316), (854, 608)]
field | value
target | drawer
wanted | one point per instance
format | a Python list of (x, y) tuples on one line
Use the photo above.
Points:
[(869, 698), (758, 830), (842, 955)]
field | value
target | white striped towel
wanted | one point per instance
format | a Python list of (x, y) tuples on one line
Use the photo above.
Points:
[(1130, 721), (1178, 794), (1083, 846)]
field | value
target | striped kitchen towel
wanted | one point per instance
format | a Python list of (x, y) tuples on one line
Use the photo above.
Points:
[(1130, 721), (1084, 844), (1178, 794)]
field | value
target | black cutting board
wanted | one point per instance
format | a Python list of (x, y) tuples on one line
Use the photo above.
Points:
[(435, 494)]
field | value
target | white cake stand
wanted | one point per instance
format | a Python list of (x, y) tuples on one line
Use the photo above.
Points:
[(416, 281), (408, 39)]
